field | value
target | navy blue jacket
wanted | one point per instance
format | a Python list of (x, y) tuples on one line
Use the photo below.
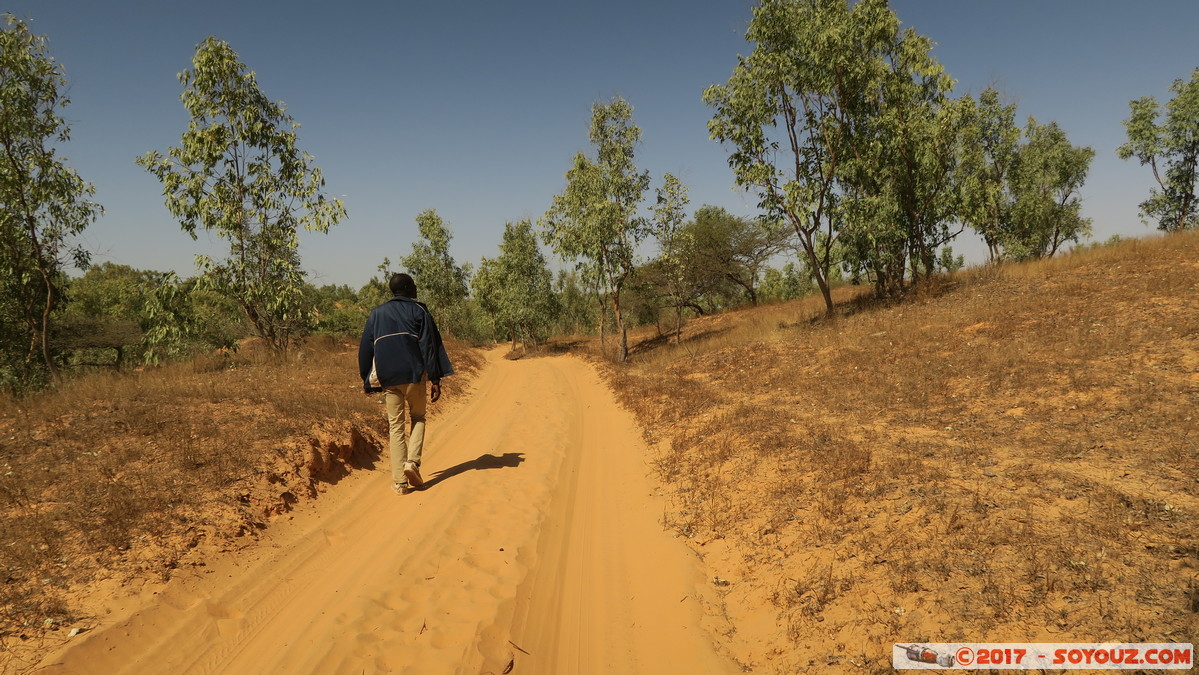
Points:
[(400, 345)]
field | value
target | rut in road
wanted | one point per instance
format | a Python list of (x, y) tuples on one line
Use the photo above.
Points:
[(536, 545)]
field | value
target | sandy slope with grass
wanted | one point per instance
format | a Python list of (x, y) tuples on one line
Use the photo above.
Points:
[(536, 547), (1006, 455)]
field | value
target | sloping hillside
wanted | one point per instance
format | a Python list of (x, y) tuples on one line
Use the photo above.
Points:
[(1009, 456)]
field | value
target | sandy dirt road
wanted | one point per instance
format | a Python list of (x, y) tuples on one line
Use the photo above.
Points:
[(536, 545)]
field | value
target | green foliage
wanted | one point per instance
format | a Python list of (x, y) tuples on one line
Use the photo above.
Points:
[(376, 291), (105, 312), (43, 204), (118, 310), (1171, 149), (340, 310), (789, 283), (170, 319), (578, 310), (727, 248), (989, 147), (807, 62), (515, 290), (1046, 211), (19, 371), (844, 125), (670, 209), (948, 262), (238, 171), (441, 283), (839, 121), (898, 179), (712, 262), (462, 318), (1019, 190), (673, 241), (595, 219), (184, 317), (111, 290)]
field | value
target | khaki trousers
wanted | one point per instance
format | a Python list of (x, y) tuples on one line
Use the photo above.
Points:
[(395, 398)]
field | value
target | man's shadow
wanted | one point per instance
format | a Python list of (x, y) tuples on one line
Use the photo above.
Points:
[(506, 460)]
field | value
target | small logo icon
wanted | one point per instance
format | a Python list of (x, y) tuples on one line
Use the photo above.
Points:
[(921, 654)]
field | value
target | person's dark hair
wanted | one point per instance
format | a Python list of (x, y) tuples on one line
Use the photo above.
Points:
[(402, 284)]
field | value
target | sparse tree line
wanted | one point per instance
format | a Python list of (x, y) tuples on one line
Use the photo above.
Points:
[(866, 168)]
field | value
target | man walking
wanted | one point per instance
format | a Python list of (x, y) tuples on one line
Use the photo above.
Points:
[(401, 349)]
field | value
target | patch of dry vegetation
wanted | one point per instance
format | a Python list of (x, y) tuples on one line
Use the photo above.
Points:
[(124, 475), (1009, 455)]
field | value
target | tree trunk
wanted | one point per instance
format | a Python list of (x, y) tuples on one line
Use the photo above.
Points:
[(44, 329), (622, 353), (930, 261), (603, 314), (820, 273), (1184, 214), (827, 294), (55, 374)]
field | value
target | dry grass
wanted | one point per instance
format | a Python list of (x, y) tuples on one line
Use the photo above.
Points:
[(1009, 455), (125, 474)]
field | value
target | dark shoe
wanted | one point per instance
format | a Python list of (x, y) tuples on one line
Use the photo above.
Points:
[(412, 473)]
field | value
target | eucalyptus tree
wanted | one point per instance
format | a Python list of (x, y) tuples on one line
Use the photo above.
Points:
[(515, 289), (595, 220), (842, 124), (44, 204), (1019, 189), (1046, 210), (910, 195), (989, 145), (1171, 149), (798, 83), (238, 172), (900, 179), (673, 240), (441, 280)]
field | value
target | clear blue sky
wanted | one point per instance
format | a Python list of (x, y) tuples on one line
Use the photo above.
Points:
[(475, 108)]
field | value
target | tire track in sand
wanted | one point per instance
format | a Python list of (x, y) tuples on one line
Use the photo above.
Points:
[(536, 530)]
